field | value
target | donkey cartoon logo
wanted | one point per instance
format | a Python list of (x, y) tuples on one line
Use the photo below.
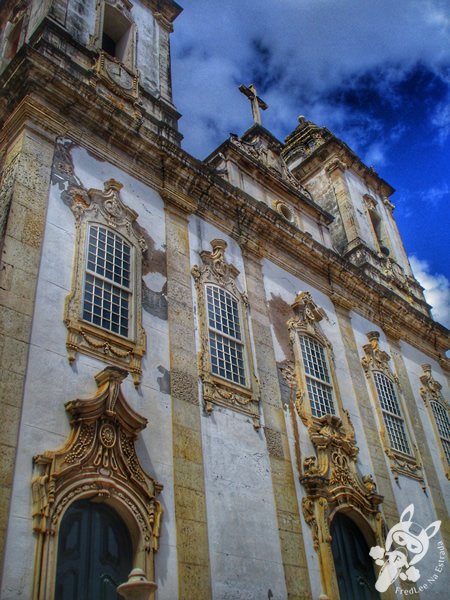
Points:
[(406, 544)]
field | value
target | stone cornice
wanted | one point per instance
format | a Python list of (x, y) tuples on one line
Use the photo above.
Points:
[(193, 187), (164, 11)]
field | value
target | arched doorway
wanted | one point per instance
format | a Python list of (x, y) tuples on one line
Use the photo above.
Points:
[(354, 568), (94, 553)]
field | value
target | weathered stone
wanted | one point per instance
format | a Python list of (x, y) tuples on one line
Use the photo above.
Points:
[(184, 387), (274, 442), (187, 444)]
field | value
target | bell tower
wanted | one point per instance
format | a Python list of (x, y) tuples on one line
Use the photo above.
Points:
[(364, 229), (114, 54)]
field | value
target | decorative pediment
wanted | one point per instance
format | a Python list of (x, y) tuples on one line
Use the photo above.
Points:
[(376, 359), (98, 460), (431, 389), (333, 471), (268, 155), (333, 483), (216, 269), (108, 204), (307, 318)]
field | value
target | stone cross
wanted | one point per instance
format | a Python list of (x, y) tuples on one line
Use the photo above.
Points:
[(255, 101)]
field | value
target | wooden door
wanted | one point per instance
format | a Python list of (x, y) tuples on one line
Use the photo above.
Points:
[(94, 553), (354, 568)]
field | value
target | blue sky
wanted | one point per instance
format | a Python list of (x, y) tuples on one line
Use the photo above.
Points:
[(377, 74)]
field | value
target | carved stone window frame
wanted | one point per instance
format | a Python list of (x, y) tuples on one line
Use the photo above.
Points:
[(98, 461), (376, 360), (333, 484), (431, 391), (217, 390), (105, 208), (306, 323), (331, 477)]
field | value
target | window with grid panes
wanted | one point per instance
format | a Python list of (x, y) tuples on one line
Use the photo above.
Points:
[(108, 281), (443, 426), (392, 415), (318, 379), (226, 345)]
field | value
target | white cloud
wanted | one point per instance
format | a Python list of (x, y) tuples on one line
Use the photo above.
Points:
[(436, 289), (301, 50), (441, 120), (435, 194)]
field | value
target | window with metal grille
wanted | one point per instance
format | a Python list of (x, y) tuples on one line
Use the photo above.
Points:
[(318, 380), (107, 283), (226, 345), (392, 415), (443, 426)]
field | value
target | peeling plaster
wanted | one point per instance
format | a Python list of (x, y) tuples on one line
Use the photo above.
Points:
[(280, 312), (164, 380)]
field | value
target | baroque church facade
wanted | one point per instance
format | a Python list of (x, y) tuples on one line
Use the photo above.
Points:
[(219, 375)]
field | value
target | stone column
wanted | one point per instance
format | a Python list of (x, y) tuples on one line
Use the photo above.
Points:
[(23, 203), (189, 487), (286, 503)]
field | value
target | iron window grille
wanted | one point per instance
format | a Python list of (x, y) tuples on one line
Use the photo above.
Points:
[(392, 415), (318, 379), (226, 343), (107, 296)]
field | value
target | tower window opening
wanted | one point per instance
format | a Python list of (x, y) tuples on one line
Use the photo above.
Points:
[(116, 34), (13, 39), (377, 228)]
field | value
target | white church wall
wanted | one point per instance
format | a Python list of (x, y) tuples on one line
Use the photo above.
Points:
[(147, 46), (51, 380), (244, 544)]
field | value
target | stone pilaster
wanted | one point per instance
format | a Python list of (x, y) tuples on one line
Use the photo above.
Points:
[(189, 487), (286, 502), (24, 196), (376, 452), (421, 439)]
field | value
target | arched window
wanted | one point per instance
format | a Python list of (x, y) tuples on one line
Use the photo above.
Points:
[(354, 567), (438, 409), (103, 312), (443, 426), (108, 282), (392, 414), (383, 384), (317, 375), (226, 362), (317, 388), (226, 344), (95, 553)]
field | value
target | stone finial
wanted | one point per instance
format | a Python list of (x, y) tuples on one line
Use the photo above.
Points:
[(138, 587)]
